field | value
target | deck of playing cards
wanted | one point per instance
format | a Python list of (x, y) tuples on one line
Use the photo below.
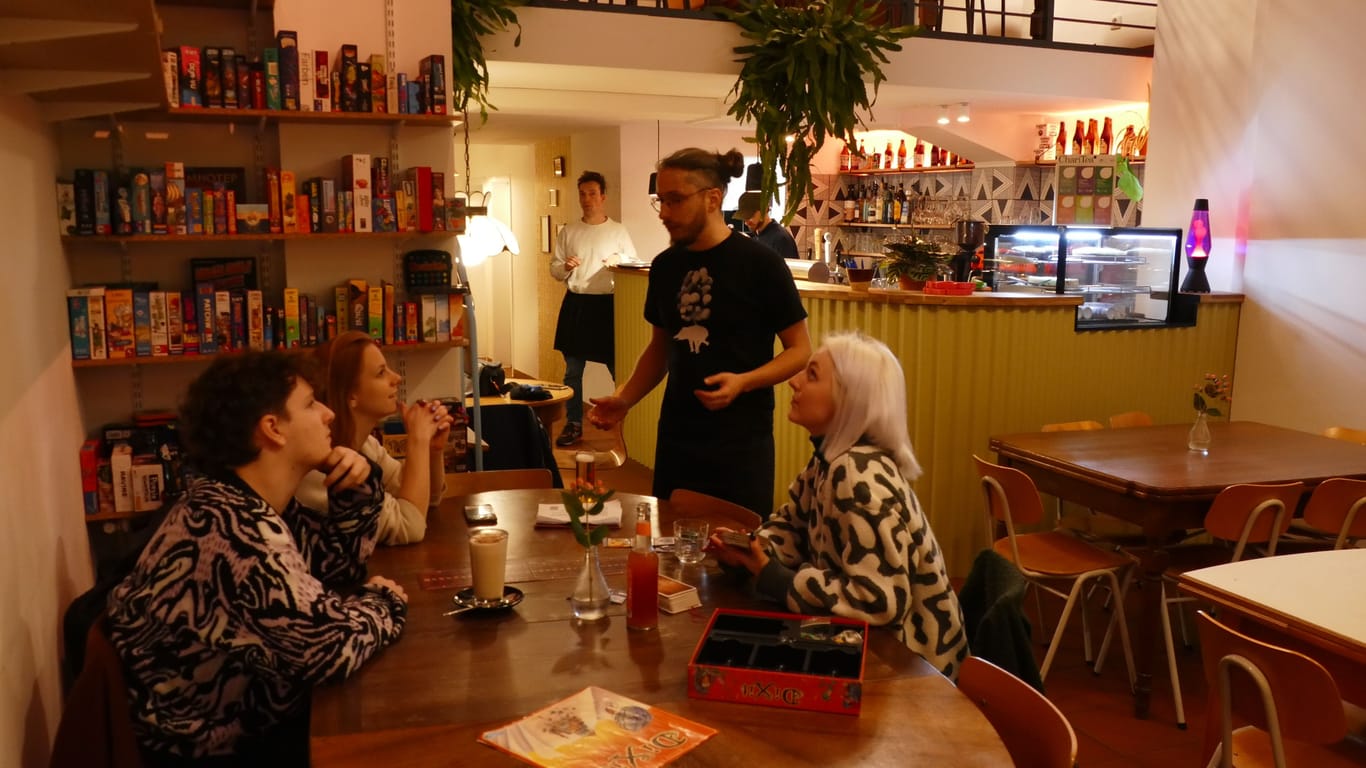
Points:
[(676, 597)]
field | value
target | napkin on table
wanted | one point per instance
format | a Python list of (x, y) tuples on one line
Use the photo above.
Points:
[(556, 514)]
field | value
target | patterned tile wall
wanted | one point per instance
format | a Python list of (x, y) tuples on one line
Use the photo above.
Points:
[(1010, 195)]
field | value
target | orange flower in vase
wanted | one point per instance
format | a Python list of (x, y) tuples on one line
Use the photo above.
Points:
[(1208, 394), (582, 501)]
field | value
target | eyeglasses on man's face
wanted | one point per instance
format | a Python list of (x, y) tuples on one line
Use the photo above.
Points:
[(674, 199)]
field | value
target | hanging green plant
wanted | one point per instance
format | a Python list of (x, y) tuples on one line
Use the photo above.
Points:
[(805, 74), (470, 20)]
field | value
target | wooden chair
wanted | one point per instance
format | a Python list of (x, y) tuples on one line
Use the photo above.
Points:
[(1241, 515), (1035, 732), (688, 503), (1291, 701), (1073, 426), (1346, 433), (96, 729), (466, 483), (1130, 419), (1334, 516), (1051, 557)]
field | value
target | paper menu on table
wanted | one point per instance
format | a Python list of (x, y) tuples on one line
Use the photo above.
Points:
[(556, 514), (596, 727)]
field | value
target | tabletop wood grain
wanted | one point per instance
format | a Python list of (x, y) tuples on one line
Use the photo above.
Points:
[(425, 700)]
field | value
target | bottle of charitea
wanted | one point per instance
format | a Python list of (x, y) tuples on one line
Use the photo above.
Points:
[(642, 577)]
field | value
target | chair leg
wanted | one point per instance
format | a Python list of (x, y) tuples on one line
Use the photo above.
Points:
[(1086, 629), (1181, 622), (1171, 658), (1062, 624), (1038, 607), (1120, 588)]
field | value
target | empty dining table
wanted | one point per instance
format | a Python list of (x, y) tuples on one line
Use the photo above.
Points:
[(1148, 476), (426, 700)]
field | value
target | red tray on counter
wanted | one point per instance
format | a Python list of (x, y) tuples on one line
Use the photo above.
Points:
[(949, 288)]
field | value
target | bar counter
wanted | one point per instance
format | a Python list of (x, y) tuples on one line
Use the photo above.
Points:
[(975, 366)]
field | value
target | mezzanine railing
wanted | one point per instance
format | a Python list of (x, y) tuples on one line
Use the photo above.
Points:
[(1113, 26)]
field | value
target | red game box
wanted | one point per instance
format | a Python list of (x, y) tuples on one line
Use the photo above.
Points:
[(781, 660)]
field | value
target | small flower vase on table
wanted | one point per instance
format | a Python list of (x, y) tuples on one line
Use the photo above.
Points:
[(1199, 437), (581, 501), (1212, 389), (590, 597)]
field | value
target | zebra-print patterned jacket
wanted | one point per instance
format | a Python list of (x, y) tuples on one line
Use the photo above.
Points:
[(227, 621), (851, 541)]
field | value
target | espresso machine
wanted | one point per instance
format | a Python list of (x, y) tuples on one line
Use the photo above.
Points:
[(970, 236)]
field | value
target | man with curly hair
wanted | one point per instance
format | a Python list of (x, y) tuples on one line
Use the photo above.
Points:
[(230, 617)]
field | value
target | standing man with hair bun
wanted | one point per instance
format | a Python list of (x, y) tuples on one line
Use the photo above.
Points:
[(585, 329), (716, 301)]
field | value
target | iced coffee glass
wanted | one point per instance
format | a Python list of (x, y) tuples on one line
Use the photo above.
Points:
[(488, 562)]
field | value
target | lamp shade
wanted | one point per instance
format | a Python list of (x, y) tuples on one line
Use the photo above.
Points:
[(754, 178)]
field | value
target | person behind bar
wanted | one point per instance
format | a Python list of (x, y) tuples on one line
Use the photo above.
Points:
[(852, 540), (358, 384), (715, 300), (766, 230), (230, 616), (585, 328)]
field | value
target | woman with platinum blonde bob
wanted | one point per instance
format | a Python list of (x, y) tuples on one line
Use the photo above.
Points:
[(851, 540)]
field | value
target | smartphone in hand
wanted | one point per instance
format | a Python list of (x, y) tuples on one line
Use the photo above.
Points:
[(737, 539)]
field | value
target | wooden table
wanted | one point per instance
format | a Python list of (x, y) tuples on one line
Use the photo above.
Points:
[(548, 411), (424, 701), (1147, 476)]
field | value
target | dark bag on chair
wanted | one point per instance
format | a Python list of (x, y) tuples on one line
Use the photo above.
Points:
[(492, 379)]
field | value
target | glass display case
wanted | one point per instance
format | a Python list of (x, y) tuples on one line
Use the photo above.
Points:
[(1125, 276)]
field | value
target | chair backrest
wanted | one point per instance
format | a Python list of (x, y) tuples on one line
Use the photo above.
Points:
[(686, 503), (1073, 426), (517, 440), (1294, 698), (1131, 419), (1035, 732), (1346, 433), (1252, 513), (1011, 499), (465, 483), (96, 729), (1338, 506)]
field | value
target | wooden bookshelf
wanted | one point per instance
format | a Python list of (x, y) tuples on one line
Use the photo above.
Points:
[(242, 238), (220, 115), (128, 362)]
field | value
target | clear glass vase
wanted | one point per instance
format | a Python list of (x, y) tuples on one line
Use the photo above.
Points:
[(1199, 437), (590, 596)]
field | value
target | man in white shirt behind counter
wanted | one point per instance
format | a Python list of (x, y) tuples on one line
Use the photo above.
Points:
[(585, 330)]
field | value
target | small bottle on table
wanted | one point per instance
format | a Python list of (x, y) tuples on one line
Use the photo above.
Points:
[(642, 577)]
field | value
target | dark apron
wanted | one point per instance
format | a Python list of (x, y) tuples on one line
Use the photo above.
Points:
[(585, 327)]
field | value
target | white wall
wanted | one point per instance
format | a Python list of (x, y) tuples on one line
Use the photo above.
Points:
[(44, 560), (1249, 110)]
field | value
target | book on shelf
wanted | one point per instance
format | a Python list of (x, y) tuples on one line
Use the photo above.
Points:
[(598, 727)]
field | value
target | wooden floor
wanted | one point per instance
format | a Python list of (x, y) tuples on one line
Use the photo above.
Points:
[(1099, 707)]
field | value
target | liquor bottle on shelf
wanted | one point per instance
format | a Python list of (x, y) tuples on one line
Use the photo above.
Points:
[(1060, 148), (1107, 139), (1079, 139), (642, 577), (950, 159), (899, 204), (906, 205), (849, 204), (919, 153), (1128, 143), (901, 155), (1091, 136), (870, 205), (888, 158), (887, 203), (846, 159)]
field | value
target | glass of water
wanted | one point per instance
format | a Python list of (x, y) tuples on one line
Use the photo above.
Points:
[(690, 536)]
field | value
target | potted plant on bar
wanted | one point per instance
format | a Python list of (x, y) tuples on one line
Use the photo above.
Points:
[(470, 20), (912, 262), (803, 77)]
